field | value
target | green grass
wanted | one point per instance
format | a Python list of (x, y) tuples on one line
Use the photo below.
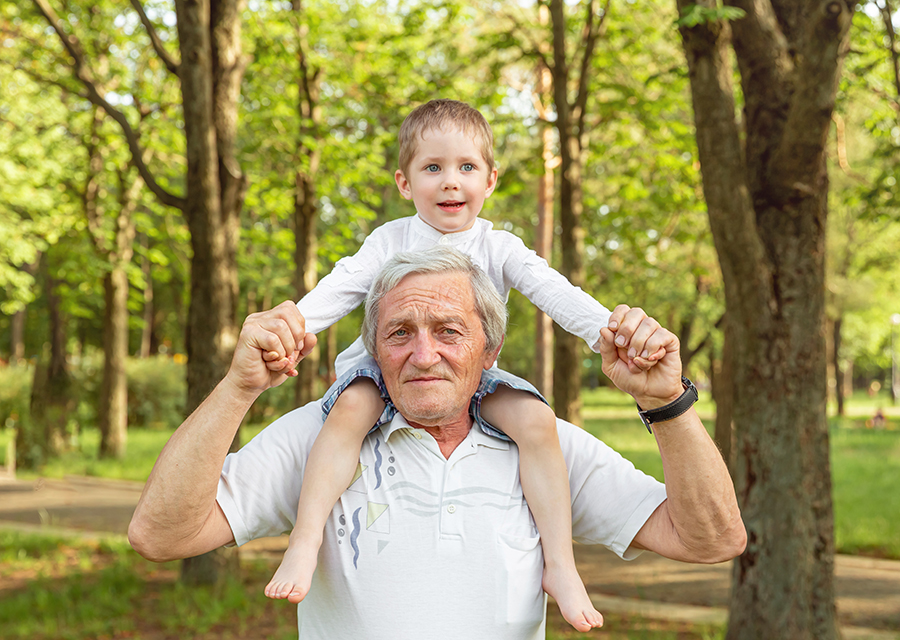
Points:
[(865, 467), (71, 589)]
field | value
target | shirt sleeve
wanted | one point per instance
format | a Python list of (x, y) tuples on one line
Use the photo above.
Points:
[(569, 306), (346, 287), (260, 484), (611, 499)]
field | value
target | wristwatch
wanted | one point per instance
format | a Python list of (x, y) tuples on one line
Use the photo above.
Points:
[(672, 410)]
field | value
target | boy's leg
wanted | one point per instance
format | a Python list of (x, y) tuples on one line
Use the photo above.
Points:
[(545, 482), (329, 469)]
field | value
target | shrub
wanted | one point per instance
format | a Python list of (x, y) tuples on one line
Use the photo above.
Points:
[(15, 394), (157, 390)]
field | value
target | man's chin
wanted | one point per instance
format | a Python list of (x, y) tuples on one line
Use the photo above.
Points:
[(430, 414)]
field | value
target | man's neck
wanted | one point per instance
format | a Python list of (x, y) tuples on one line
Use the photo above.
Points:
[(450, 435)]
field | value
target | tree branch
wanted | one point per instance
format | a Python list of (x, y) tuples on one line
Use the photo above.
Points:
[(887, 12), (82, 73), (731, 212), (794, 167), (171, 64), (592, 30)]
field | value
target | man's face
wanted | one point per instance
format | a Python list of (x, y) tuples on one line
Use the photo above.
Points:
[(430, 346), (448, 180)]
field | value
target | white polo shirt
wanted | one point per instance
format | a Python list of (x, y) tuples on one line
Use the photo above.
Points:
[(420, 546)]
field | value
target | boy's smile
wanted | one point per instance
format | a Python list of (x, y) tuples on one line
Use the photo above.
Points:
[(447, 179)]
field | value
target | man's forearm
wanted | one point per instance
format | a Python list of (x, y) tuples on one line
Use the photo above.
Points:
[(701, 508), (177, 513)]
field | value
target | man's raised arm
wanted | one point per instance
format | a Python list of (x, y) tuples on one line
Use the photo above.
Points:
[(700, 520), (177, 515)]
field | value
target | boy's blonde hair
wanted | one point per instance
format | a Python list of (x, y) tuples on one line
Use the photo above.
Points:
[(440, 114)]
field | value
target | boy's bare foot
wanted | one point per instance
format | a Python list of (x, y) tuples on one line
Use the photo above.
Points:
[(294, 575), (566, 587)]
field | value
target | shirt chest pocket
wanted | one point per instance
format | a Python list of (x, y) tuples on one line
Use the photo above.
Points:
[(519, 591)]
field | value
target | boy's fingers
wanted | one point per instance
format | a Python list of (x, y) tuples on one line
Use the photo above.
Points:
[(615, 318)]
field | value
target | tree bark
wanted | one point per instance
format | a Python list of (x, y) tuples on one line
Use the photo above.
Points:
[(767, 210), (570, 127), (836, 328), (117, 250), (149, 308), (43, 435), (209, 37), (209, 33), (543, 233), (722, 380), (305, 209), (17, 337), (17, 323), (113, 409)]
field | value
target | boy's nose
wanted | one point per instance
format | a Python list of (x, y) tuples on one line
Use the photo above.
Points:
[(450, 181)]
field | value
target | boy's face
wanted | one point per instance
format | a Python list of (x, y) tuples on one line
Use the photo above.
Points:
[(448, 180)]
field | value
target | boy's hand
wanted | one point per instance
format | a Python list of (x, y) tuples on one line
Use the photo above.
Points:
[(650, 387), (636, 337), (270, 346), (281, 361)]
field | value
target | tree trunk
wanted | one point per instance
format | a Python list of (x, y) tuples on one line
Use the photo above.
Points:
[(209, 36), (836, 360), (113, 410), (846, 380), (209, 33), (305, 276), (543, 241), (149, 309), (722, 379), (17, 337), (766, 192), (569, 118), (305, 209), (43, 436), (329, 353)]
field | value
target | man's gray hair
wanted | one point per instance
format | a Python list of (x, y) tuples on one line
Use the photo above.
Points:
[(489, 304)]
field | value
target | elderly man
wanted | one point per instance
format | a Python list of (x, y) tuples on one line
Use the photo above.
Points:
[(433, 538)]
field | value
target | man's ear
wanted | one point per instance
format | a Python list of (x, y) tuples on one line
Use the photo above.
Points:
[(403, 185), (490, 357)]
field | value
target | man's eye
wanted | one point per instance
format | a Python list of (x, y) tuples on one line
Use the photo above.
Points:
[(468, 167), (449, 331), (432, 168), (400, 333)]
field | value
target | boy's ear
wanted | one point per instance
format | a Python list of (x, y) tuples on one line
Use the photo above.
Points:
[(403, 185), (491, 183)]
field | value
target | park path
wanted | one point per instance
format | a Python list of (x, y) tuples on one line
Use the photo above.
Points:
[(868, 589)]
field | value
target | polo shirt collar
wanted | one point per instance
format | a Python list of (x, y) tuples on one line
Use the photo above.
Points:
[(476, 435)]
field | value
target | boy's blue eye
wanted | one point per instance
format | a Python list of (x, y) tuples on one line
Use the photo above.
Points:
[(432, 168), (468, 167)]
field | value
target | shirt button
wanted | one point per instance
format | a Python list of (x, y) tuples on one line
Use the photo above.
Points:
[(444, 240), (417, 435), (451, 508)]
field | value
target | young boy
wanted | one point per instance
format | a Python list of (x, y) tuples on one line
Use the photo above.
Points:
[(447, 170)]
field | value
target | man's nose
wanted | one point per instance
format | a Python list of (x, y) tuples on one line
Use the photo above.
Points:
[(424, 351)]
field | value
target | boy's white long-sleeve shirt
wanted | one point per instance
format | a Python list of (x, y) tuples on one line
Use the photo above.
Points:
[(503, 257)]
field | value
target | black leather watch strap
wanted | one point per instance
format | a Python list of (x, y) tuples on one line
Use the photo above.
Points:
[(672, 410)]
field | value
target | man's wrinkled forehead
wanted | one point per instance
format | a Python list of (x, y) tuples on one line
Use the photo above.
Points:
[(428, 296)]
